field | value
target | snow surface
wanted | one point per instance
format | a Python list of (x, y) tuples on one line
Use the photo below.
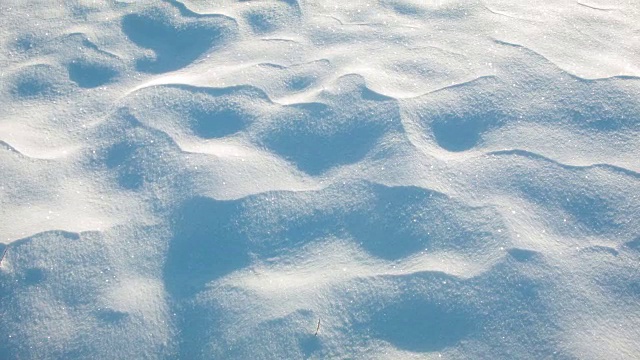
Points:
[(428, 179)]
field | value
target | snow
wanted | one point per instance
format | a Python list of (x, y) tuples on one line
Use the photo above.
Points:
[(424, 179)]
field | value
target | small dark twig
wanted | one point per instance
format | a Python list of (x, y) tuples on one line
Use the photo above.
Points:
[(6, 248), (593, 7), (317, 328)]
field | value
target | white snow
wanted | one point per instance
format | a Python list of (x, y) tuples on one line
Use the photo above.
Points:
[(428, 179)]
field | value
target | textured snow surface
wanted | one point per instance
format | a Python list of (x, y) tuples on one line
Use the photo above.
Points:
[(430, 179)]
